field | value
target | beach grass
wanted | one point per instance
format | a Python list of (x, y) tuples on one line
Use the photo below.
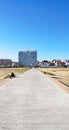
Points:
[(61, 74)]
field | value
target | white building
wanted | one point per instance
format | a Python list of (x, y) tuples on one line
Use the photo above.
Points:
[(45, 64)]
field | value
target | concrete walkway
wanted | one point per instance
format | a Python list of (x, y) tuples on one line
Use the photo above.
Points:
[(33, 102)]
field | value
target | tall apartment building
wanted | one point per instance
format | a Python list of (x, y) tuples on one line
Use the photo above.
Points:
[(28, 58)]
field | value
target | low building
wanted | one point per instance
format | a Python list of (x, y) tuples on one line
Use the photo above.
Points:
[(66, 62), (58, 63), (39, 64), (15, 64), (5, 62), (45, 64)]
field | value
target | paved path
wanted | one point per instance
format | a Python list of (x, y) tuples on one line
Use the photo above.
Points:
[(33, 102)]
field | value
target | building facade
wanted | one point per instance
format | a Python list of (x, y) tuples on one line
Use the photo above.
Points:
[(58, 63), (5, 62), (66, 62), (28, 58)]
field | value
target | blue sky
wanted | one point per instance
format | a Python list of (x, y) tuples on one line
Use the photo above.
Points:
[(41, 25)]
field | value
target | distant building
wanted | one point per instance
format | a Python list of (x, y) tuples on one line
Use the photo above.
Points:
[(15, 64), (66, 62), (28, 58), (45, 64), (39, 64), (58, 63), (5, 63)]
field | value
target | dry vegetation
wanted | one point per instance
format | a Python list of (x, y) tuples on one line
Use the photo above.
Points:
[(4, 72), (61, 74)]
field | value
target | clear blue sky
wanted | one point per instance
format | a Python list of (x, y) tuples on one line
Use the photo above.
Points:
[(41, 25)]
